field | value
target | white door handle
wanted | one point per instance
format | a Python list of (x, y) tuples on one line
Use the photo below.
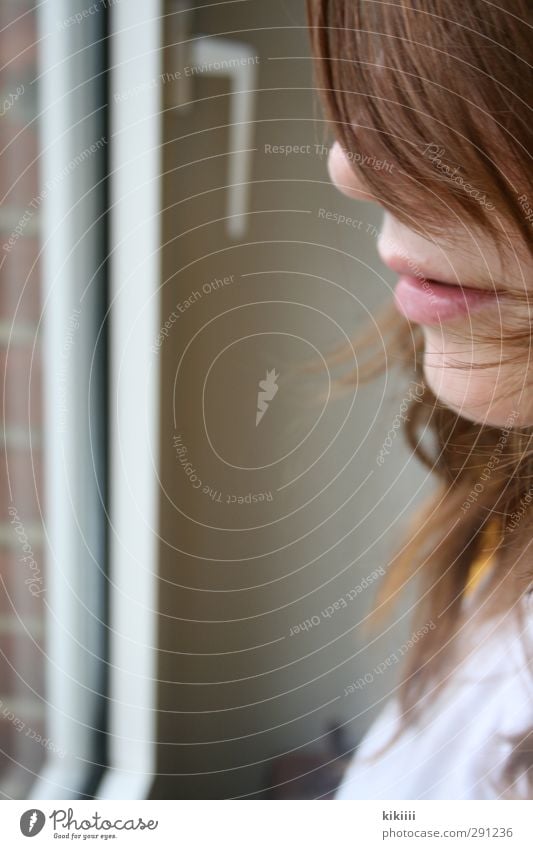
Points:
[(236, 60)]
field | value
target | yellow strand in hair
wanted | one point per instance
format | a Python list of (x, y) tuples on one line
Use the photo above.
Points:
[(491, 537)]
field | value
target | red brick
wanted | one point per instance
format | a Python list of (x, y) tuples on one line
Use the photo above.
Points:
[(26, 492), (17, 745), (21, 666), (18, 45), (21, 385), (19, 166), (19, 597), (20, 281)]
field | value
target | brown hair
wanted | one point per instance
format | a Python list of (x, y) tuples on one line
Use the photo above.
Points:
[(396, 78)]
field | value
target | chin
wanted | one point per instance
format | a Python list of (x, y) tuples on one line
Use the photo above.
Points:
[(478, 395)]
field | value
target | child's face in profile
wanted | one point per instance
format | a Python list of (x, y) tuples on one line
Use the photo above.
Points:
[(496, 395)]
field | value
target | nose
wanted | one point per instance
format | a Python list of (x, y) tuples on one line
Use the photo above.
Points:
[(342, 175)]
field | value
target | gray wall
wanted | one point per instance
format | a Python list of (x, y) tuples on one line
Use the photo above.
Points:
[(236, 688)]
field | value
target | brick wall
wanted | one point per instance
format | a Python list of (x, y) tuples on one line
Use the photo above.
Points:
[(22, 578)]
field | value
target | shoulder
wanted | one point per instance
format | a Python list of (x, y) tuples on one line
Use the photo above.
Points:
[(460, 739)]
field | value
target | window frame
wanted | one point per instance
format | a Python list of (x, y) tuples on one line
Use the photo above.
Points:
[(135, 189), (71, 116)]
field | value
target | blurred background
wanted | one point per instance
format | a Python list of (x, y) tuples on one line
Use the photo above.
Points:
[(194, 522)]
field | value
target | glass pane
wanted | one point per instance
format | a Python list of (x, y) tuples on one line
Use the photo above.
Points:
[(261, 472)]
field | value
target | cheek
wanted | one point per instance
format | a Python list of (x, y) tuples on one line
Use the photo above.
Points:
[(486, 395), (342, 176)]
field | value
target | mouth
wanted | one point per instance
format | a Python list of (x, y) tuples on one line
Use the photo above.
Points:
[(428, 301)]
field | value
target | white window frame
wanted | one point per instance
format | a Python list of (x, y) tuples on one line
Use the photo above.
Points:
[(136, 58), (71, 223), (134, 148)]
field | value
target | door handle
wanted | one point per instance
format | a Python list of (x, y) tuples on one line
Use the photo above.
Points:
[(215, 56)]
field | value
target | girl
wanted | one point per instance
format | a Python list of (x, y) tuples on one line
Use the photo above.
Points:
[(441, 91)]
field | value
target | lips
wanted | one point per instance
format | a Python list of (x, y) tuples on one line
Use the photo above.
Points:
[(428, 301)]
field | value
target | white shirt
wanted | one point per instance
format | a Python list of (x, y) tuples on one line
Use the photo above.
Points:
[(457, 749)]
